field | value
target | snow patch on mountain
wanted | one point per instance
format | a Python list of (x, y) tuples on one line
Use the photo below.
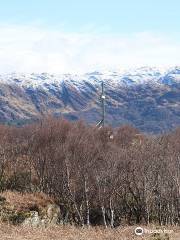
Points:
[(143, 75)]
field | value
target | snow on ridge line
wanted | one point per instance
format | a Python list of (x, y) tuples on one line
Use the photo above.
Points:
[(133, 76)]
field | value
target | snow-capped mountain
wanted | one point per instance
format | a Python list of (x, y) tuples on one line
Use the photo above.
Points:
[(135, 76), (148, 98)]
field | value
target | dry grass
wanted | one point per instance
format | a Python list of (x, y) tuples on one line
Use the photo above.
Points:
[(72, 233), (26, 201)]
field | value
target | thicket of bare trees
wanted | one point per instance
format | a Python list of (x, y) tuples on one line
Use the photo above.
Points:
[(98, 176)]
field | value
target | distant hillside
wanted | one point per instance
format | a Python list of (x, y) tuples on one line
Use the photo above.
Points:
[(146, 98)]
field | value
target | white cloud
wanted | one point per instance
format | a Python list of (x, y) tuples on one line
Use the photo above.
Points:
[(33, 49)]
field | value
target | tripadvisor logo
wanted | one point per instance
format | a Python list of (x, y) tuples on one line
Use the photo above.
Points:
[(139, 231)]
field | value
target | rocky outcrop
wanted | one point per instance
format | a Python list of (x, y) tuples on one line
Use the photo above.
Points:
[(35, 210), (33, 220), (52, 217)]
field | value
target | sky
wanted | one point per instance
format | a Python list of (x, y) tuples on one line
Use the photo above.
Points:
[(86, 35)]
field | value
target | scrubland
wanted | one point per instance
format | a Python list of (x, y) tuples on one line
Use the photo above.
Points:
[(105, 181)]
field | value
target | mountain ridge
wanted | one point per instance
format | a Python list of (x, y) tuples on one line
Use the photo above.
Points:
[(146, 98)]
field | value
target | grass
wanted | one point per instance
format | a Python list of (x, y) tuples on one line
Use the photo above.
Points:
[(8, 232), (28, 201)]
